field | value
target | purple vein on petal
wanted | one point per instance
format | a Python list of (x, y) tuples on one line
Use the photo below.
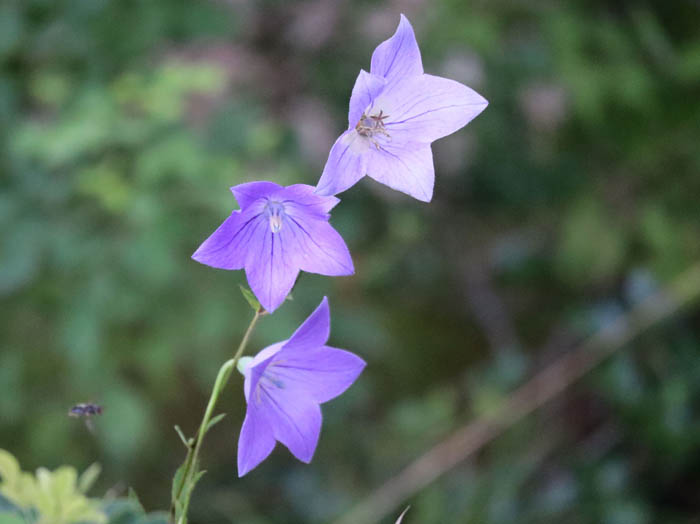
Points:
[(310, 237)]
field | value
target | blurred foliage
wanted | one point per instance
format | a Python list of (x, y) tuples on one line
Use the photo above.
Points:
[(59, 497), (570, 199), (129, 511), (50, 497)]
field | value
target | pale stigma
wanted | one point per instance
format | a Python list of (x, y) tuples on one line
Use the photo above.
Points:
[(275, 211)]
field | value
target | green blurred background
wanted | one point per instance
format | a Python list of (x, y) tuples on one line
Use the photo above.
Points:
[(569, 200)]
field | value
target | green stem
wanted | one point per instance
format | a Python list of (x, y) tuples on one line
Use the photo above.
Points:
[(196, 444)]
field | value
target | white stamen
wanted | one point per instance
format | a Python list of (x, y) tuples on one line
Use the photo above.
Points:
[(369, 126)]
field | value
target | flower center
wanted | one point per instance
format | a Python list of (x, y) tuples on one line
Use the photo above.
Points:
[(371, 125), (275, 213), (271, 377), (273, 380)]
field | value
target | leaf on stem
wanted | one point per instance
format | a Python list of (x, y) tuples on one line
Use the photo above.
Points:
[(250, 298), (88, 477), (196, 479), (134, 499), (177, 482), (215, 420), (182, 436)]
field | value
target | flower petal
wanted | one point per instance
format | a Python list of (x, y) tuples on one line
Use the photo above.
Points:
[(313, 333), (346, 164), (295, 418), (249, 192), (227, 247), (318, 248), (324, 372), (256, 440), (425, 108), (367, 88), (399, 56), (408, 168), (302, 196), (257, 367), (270, 266)]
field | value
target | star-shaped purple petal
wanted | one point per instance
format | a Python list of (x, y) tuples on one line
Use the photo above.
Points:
[(396, 112), (277, 232), (284, 385)]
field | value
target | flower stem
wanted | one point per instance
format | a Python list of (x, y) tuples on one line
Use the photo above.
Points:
[(181, 496)]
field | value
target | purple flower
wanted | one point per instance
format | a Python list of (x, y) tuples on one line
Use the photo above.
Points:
[(277, 232), (396, 112), (284, 385)]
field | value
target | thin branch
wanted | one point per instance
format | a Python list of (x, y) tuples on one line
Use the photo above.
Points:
[(541, 388)]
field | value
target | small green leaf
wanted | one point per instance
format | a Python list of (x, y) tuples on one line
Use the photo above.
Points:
[(134, 498), (9, 467), (182, 436), (63, 482), (177, 479), (215, 421), (178, 508), (197, 477), (192, 483), (248, 295), (88, 477)]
